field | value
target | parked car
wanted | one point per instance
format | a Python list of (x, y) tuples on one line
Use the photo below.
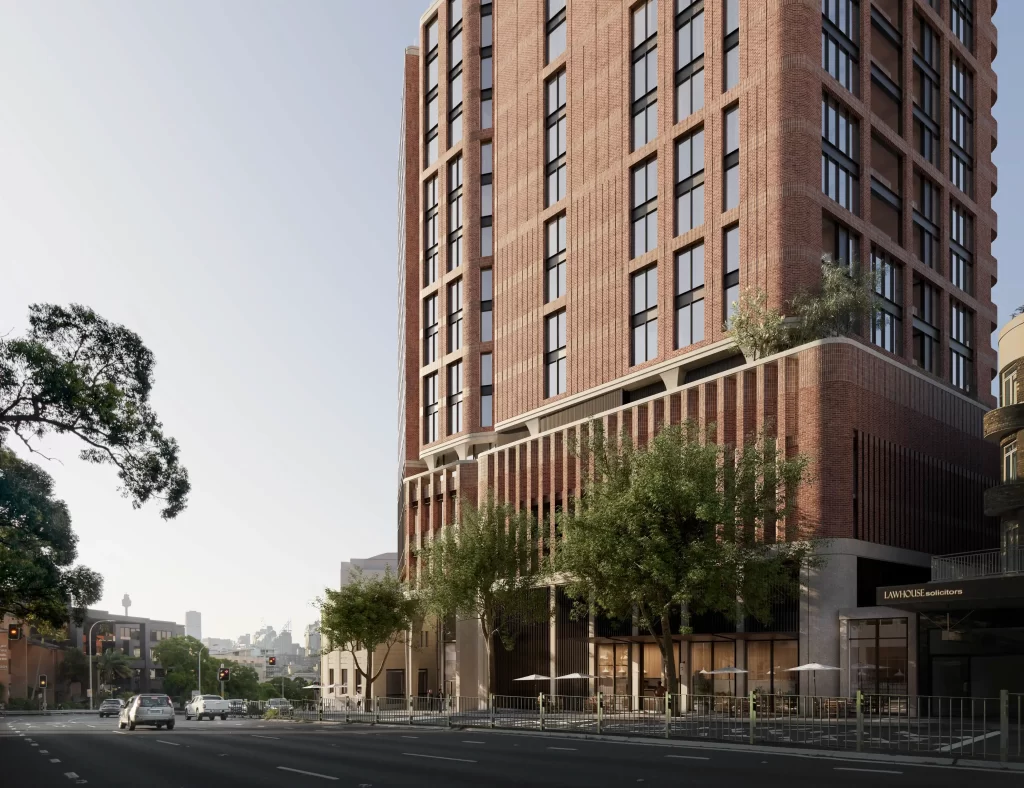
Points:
[(111, 707), (237, 708), (284, 708), (147, 710), (207, 706)]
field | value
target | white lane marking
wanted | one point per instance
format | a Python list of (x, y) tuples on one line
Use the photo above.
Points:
[(54, 760), (410, 737), (568, 749), (872, 771), (71, 775), (310, 774), (34, 744), (468, 741), (258, 736), (437, 757), (90, 726), (689, 757), (44, 752), (172, 743), (222, 755), (955, 745)]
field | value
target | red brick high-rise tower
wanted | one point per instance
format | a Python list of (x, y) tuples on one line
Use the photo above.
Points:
[(589, 185)]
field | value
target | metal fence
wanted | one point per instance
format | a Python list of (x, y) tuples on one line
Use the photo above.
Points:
[(982, 728), (980, 563)]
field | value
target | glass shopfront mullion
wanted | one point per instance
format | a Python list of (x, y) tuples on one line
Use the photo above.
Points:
[(613, 675), (878, 656)]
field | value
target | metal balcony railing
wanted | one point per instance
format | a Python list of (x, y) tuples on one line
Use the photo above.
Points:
[(981, 563)]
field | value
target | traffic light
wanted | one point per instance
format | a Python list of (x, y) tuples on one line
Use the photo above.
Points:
[(224, 674), (271, 660), (42, 681), (13, 632)]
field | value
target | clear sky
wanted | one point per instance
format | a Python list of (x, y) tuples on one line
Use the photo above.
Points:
[(221, 178)]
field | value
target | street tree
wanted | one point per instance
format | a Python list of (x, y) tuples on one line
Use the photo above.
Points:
[(76, 373), (487, 566), (179, 657), (364, 615), (681, 524), (113, 665), (244, 682), (39, 580)]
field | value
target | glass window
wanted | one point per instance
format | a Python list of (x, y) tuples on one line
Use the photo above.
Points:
[(455, 398), (731, 281), (887, 322), (645, 207), (840, 154), (555, 143), (840, 37), (690, 296), (430, 408), (690, 182), (455, 316), (1009, 388), (645, 73), (555, 259), (554, 358), (556, 28), (430, 321), (878, 656), (1010, 461), (486, 306), (644, 315), (689, 59), (732, 157), (486, 390)]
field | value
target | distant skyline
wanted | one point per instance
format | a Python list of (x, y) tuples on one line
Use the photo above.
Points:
[(221, 178)]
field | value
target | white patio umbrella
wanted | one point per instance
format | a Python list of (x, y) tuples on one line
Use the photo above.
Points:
[(575, 676), (723, 671), (533, 677), (813, 668)]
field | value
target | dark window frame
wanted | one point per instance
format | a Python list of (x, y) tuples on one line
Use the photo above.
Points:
[(487, 393), (554, 21), (643, 317), (431, 232), (486, 303), (555, 166), (731, 45), (455, 420), (925, 329), (693, 181), (642, 211), (456, 313), (690, 70), (640, 105), (486, 94), (961, 247), (893, 88), (885, 193), (731, 158), (846, 42), (431, 409), (456, 252), (961, 21), (431, 322), (693, 294), (730, 274), (431, 92), (834, 156), (887, 321), (555, 262), (961, 134), (555, 353), (926, 203)]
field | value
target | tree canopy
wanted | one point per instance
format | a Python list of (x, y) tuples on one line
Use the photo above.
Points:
[(366, 613), (76, 373), (681, 524), (486, 566), (38, 576)]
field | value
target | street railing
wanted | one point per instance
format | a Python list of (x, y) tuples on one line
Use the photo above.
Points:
[(981, 563)]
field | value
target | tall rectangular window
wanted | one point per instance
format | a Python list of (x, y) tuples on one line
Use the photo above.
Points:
[(926, 111), (454, 71), (430, 231), (886, 189), (690, 296), (431, 96), (486, 390), (554, 263), (840, 154), (645, 73), (486, 200), (644, 315), (455, 316), (887, 63), (554, 354), (645, 207), (731, 269), (732, 43), (839, 243), (455, 398), (555, 143), (455, 213), (486, 305), (555, 28), (689, 57), (731, 165), (961, 21), (961, 247), (1010, 462), (926, 324), (926, 219), (840, 39), (887, 321), (430, 415), (1009, 396), (961, 342), (430, 321), (690, 182), (961, 127), (486, 66)]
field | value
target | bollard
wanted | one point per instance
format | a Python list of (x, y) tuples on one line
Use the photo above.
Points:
[(600, 711), (376, 710), (753, 716), (410, 710), (490, 707), (540, 700), (448, 709), (348, 708), (668, 714), (860, 720), (1004, 725)]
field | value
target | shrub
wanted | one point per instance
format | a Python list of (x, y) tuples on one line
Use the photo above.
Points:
[(271, 714)]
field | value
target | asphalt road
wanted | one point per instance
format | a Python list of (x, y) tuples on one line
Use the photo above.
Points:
[(53, 751)]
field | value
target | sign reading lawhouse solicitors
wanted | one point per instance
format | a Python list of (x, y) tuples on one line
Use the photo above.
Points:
[(918, 592)]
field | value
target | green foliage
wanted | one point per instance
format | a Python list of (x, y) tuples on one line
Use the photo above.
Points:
[(486, 566), (112, 665), (179, 657), (38, 579), (244, 682), (74, 666), (284, 687), (845, 300), (680, 524), (758, 330), (271, 714), (76, 373), (365, 614)]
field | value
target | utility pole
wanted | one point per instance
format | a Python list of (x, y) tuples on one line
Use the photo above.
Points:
[(89, 647)]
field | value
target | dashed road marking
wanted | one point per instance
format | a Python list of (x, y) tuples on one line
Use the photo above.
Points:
[(172, 743), (310, 774), (71, 775), (437, 757), (689, 757), (258, 736), (469, 741), (567, 749), (54, 760), (872, 771), (410, 737)]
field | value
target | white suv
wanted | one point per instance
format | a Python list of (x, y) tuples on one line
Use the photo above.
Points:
[(207, 706), (147, 710)]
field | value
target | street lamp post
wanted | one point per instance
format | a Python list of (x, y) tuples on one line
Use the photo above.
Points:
[(200, 671), (89, 647)]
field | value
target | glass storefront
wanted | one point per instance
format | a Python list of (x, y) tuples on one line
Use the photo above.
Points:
[(768, 663), (878, 656), (651, 667), (613, 669), (706, 656)]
